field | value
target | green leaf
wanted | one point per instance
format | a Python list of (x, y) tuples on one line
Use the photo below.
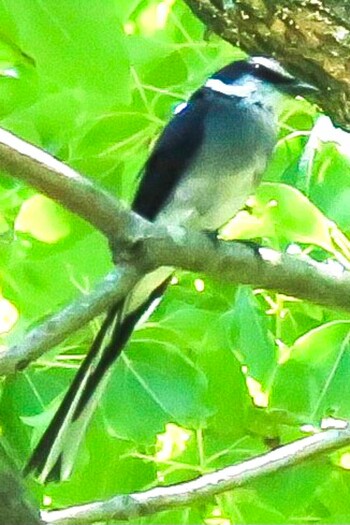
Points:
[(34, 291), (314, 380), (157, 379), (289, 492), (126, 9), (252, 336), (169, 71), (4, 227), (245, 506), (329, 186), (43, 219), (334, 492), (227, 389), (70, 57), (283, 212), (294, 216)]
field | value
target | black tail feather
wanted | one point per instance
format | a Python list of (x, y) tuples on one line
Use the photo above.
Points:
[(119, 338), (104, 355), (38, 458)]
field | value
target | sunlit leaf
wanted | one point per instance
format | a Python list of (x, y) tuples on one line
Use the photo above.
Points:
[(43, 219), (314, 380)]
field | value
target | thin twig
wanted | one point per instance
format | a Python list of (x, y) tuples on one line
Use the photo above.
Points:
[(56, 328), (128, 506)]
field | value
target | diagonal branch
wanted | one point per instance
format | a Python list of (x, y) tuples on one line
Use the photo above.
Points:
[(142, 246), (301, 34), (60, 182), (57, 327), (126, 506)]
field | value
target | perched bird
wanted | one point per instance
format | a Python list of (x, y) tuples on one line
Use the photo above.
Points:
[(208, 160)]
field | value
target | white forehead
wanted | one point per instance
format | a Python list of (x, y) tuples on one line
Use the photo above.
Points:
[(242, 88), (271, 64)]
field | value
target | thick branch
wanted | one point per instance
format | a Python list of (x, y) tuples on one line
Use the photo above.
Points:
[(146, 247), (16, 505), (124, 507), (60, 182), (233, 262), (312, 39)]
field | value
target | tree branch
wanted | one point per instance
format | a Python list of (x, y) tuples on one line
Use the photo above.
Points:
[(141, 246), (57, 327), (16, 505), (60, 182), (232, 262), (312, 39), (124, 507)]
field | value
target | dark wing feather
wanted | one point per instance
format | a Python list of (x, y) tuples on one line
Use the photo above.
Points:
[(42, 450), (174, 152)]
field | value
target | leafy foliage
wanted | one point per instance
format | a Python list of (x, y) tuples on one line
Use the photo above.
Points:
[(219, 371)]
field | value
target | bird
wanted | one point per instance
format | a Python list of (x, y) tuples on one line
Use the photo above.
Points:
[(208, 160)]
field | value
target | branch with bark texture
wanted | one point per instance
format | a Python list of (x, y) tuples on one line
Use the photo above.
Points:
[(60, 182), (311, 38), (141, 246), (128, 506), (16, 505)]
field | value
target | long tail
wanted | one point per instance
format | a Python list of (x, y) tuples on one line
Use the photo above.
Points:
[(53, 457)]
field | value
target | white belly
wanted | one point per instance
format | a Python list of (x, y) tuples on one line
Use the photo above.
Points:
[(226, 170), (206, 201)]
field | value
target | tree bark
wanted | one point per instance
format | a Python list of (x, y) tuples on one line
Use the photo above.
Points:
[(310, 38), (16, 507)]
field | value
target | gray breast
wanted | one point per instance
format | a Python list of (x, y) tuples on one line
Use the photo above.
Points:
[(239, 139)]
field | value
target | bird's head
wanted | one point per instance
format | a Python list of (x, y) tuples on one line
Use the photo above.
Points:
[(257, 77)]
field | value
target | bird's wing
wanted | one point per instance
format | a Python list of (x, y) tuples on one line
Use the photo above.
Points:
[(173, 153)]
